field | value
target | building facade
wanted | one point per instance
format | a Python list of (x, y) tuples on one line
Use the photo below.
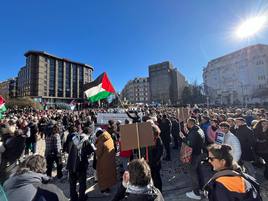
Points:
[(136, 91), (8, 88), (240, 77), (52, 79), (166, 83)]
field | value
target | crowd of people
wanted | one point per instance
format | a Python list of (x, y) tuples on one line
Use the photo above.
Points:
[(225, 145)]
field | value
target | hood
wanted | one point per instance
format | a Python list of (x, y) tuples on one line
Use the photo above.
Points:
[(149, 191), (105, 136), (24, 179)]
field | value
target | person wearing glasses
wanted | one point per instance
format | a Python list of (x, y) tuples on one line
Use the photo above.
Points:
[(229, 183), (226, 137)]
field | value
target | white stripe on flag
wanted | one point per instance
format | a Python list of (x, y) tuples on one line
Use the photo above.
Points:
[(94, 90)]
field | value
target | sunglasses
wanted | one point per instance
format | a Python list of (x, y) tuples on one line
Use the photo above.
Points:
[(211, 158)]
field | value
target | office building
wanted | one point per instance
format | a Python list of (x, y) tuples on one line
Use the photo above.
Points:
[(240, 77), (166, 83), (52, 79), (8, 88)]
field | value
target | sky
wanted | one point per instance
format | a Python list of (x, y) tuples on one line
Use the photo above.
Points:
[(124, 37)]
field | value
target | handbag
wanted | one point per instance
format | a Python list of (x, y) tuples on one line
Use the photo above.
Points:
[(186, 153)]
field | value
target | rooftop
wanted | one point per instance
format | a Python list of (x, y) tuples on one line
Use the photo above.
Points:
[(56, 57)]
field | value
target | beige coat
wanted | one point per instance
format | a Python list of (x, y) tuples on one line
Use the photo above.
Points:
[(106, 167)]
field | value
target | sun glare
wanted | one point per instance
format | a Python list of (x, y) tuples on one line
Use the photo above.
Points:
[(251, 26)]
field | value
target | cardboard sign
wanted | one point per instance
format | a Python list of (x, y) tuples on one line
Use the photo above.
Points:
[(183, 114), (135, 136)]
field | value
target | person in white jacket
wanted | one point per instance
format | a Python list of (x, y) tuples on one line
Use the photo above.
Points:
[(230, 139)]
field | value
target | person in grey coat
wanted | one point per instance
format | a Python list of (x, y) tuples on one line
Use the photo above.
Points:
[(30, 183)]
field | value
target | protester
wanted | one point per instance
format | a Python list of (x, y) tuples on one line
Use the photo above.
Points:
[(29, 183), (226, 137), (165, 127), (53, 152), (261, 134), (13, 146), (196, 140), (228, 184), (106, 167), (155, 156), (175, 131), (77, 164), (212, 131), (137, 184), (248, 145)]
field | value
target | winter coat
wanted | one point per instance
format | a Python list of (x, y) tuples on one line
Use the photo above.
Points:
[(29, 186), (261, 142), (14, 146), (165, 127), (196, 140), (211, 135), (175, 128), (247, 141), (78, 157), (34, 130), (151, 194), (204, 127), (229, 188), (232, 140), (106, 167), (155, 153)]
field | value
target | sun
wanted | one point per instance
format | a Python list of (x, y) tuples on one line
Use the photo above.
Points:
[(251, 26)]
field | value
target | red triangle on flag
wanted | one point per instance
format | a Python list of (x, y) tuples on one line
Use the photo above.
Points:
[(2, 100), (106, 84)]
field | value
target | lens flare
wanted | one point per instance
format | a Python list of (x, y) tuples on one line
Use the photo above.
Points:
[(251, 26)]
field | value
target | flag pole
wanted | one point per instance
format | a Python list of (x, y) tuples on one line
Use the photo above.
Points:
[(120, 100)]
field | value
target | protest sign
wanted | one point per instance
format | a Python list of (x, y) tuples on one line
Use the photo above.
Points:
[(103, 118), (135, 136), (183, 114)]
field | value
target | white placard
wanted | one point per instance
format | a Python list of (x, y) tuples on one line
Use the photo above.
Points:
[(103, 118)]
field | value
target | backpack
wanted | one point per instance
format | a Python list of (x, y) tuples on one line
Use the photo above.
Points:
[(255, 190)]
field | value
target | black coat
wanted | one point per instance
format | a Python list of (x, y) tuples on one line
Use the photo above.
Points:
[(79, 163), (196, 140), (175, 129), (135, 118), (155, 153), (247, 141), (165, 127)]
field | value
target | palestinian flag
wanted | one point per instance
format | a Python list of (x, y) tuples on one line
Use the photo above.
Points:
[(99, 89), (2, 106)]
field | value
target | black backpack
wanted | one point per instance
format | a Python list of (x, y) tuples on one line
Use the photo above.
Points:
[(254, 193)]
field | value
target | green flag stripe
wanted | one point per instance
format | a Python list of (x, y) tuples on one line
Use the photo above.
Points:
[(3, 108), (99, 96)]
